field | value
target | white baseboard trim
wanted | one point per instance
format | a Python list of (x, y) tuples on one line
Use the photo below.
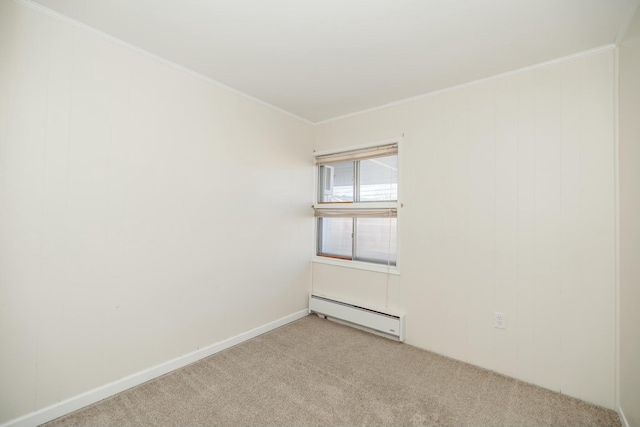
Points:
[(77, 402), (623, 419)]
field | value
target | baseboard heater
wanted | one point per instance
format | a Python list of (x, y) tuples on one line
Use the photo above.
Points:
[(382, 321)]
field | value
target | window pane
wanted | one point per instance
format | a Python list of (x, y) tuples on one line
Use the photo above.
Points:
[(336, 182), (379, 179), (335, 237), (376, 240)]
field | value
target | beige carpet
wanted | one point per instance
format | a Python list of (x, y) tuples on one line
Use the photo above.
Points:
[(315, 372)]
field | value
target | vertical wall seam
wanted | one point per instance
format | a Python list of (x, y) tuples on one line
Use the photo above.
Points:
[(616, 193), (467, 143), (533, 227), (560, 177), (517, 338), (42, 205), (68, 172), (495, 211)]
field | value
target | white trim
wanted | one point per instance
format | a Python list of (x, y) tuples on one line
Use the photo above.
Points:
[(398, 210), (616, 220), (623, 419), (77, 402), (472, 83), (626, 22), (360, 265), (53, 14), (314, 226), (78, 24)]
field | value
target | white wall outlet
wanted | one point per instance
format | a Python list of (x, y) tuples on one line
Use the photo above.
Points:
[(500, 320)]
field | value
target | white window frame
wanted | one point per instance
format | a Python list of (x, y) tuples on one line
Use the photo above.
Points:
[(357, 264)]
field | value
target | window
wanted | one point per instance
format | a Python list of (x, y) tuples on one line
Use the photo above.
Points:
[(357, 205)]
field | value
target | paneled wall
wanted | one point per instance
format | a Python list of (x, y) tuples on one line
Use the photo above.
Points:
[(508, 193), (144, 212), (629, 116)]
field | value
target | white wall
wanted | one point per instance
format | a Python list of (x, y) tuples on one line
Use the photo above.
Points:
[(508, 192), (629, 149), (145, 212)]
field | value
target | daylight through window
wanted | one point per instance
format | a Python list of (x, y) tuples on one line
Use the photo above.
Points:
[(357, 205)]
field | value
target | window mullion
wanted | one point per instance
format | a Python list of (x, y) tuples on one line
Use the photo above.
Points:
[(356, 199), (356, 181), (353, 239)]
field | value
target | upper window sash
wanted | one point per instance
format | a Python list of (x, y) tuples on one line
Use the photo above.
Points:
[(358, 176)]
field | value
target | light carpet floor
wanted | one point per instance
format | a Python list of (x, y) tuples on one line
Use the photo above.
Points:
[(314, 372)]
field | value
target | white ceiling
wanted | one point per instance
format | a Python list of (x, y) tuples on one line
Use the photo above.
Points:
[(320, 59)]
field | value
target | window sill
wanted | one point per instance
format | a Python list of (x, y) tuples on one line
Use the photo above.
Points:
[(379, 268)]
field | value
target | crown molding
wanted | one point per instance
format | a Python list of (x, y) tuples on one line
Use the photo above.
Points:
[(474, 82), (77, 24)]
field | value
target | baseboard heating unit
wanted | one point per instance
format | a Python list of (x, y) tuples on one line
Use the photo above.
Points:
[(382, 321)]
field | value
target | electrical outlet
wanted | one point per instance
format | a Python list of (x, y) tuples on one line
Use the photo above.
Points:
[(500, 320)]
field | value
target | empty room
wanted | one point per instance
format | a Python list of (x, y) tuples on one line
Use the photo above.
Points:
[(320, 212)]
